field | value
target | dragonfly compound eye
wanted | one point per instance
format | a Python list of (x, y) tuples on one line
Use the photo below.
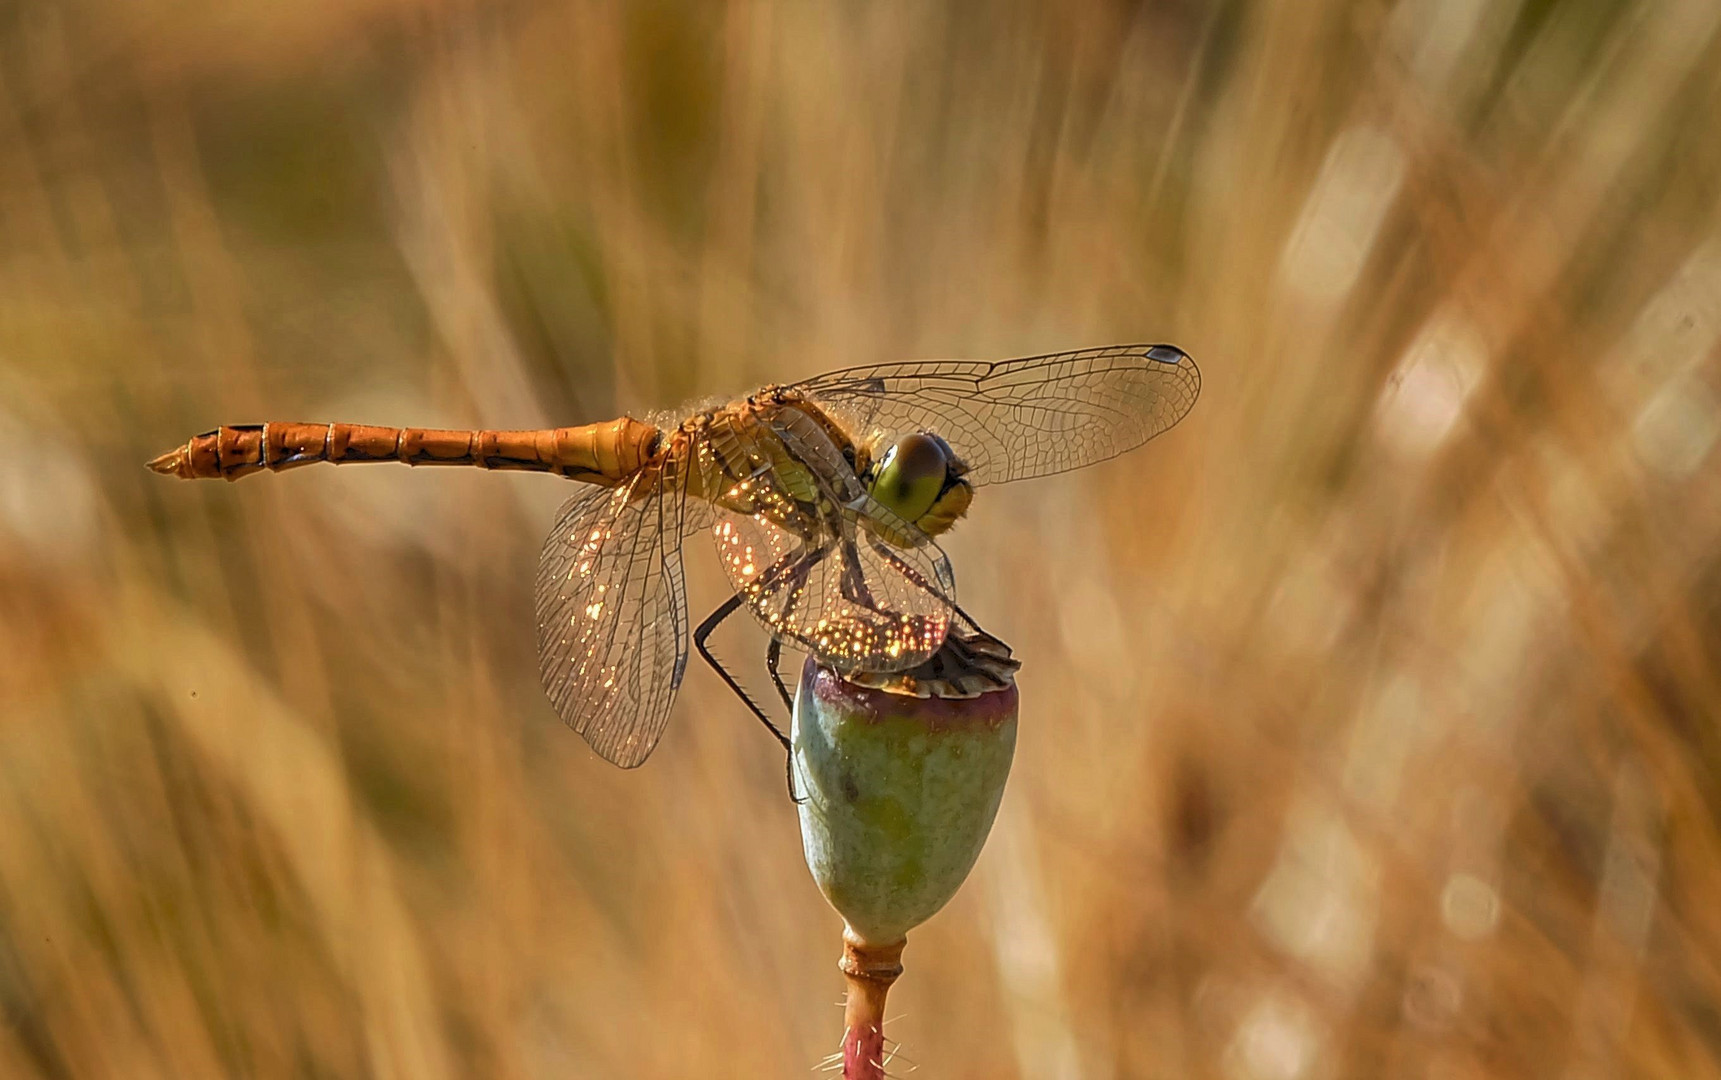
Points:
[(912, 475)]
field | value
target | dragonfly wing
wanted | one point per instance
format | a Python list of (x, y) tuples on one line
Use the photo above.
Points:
[(830, 583), (919, 553), (1016, 419), (853, 601), (612, 613)]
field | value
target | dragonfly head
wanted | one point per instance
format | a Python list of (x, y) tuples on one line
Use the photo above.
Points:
[(919, 479)]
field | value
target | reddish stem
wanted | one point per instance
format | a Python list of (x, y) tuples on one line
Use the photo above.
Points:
[(869, 969)]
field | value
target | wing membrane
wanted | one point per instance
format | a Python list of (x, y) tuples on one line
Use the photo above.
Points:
[(856, 603), (810, 559), (1016, 419), (612, 612)]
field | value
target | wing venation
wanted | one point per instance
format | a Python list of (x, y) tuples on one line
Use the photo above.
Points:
[(1017, 419), (612, 612)]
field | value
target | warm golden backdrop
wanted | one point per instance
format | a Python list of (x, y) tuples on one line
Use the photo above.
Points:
[(1370, 718)]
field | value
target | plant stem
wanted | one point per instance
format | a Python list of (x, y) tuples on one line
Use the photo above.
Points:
[(869, 970)]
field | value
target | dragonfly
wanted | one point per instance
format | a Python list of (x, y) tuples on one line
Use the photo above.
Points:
[(824, 499)]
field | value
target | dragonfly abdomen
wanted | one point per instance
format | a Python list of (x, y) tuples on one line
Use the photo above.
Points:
[(604, 454)]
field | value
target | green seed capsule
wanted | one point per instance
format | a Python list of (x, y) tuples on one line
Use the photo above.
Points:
[(898, 793)]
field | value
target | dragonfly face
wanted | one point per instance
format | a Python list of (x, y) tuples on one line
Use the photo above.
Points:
[(918, 478)]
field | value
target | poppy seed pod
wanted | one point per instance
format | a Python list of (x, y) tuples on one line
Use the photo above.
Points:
[(898, 791)]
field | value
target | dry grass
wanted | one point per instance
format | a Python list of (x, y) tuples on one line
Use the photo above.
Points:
[(1369, 719)]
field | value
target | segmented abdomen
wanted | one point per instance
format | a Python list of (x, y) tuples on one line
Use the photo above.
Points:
[(603, 454)]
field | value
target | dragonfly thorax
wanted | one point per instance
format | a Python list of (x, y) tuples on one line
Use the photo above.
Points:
[(741, 461)]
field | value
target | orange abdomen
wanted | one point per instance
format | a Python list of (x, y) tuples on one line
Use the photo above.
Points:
[(603, 454)]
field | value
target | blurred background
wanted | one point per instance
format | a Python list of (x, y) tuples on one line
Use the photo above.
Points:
[(1369, 721)]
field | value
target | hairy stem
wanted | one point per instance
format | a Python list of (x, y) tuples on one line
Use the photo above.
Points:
[(870, 970)]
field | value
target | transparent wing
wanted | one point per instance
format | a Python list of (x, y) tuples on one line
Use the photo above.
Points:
[(807, 443), (1015, 419), (812, 559), (856, 602), (612, 612)]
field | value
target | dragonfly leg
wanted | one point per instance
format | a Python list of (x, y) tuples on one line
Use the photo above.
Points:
[(967, 618), (711, 623), (851, 583), (921, 583), (884, 552), (715, 619), (773, 660)]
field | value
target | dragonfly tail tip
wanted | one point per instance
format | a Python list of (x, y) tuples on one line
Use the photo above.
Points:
[(171, 463)]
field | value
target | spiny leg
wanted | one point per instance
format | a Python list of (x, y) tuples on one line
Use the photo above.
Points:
[(712, 621), (773, 659), (799, 565), (915, 577), (967, 618), (774, 651), (799, 571), (851, 582), (920, 582)]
